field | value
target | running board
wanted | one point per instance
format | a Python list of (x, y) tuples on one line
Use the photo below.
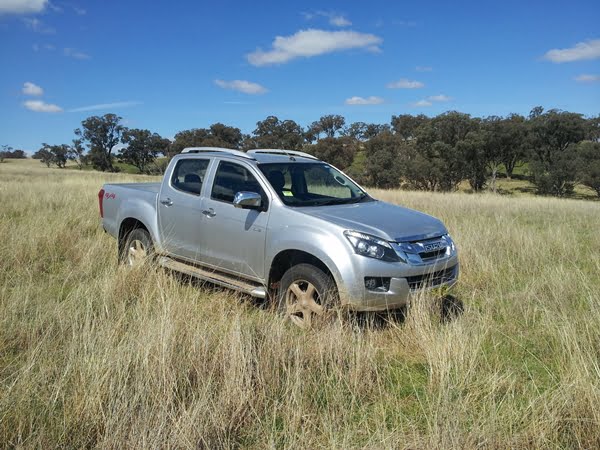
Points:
[(221, 279)]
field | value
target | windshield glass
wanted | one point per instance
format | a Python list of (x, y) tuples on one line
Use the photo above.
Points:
[(312, 184)]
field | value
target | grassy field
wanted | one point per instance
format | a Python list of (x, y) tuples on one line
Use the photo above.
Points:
[(97, 355)]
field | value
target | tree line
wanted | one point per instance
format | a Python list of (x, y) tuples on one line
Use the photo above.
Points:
[(8, 152), (560, 149)]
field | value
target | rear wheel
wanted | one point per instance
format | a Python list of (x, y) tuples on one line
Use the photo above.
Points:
[(138, 247), (306, 294)]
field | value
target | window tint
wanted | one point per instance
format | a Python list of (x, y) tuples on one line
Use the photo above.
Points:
[(189, 175), (232, 178)]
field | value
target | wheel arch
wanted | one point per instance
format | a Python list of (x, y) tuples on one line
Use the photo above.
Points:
[(126, 226), (286, 259)]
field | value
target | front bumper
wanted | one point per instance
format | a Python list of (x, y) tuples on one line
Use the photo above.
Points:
[(405, 282)]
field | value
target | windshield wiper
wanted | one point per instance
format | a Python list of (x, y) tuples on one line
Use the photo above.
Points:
[(359, 199), (341, 201)]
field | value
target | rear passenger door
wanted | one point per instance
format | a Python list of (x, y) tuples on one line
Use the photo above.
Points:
[(180, 207), (233, 239)]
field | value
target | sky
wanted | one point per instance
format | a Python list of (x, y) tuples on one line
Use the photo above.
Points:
[(177, 65)]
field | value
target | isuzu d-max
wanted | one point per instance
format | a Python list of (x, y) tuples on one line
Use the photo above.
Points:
[(280, 225)]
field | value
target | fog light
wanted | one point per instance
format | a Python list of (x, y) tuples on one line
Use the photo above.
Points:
[(377, 284)]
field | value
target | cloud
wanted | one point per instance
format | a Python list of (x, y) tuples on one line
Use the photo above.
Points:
[(79, 11), (364, 101), (37, 26), (337, 20), (587, 78), (101, 106), (404, 23), (431, 100), (40, 106), (22, 6), (423, 68), (583, 50), (312, 42), (247, 87), (38, 47), (439, 98), (32, 89), (422, 103), (74, 53), (404, 83)]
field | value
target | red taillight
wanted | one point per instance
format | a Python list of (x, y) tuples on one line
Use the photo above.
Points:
[(100, 200)]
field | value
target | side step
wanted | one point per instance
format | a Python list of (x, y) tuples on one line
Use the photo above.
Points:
[(230, 282)]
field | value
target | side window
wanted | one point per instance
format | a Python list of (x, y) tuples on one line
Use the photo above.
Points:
[(232, 178), (188, 175)]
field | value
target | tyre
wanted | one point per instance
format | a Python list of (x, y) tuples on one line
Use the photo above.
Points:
[(306, 294), (138, 247)]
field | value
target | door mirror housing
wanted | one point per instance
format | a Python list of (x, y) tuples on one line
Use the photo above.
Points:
[(247, 200)]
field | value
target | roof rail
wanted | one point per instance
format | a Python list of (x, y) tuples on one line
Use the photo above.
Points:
[(273, 151), (228, 151)]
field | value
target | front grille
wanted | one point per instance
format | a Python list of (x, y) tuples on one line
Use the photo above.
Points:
[(435, 254), (433, 279), (425, 252)]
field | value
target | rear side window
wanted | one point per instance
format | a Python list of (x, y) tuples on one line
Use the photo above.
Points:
[(189, 174), (232, 178)]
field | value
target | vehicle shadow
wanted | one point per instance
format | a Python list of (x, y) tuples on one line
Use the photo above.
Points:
[(448, 308)]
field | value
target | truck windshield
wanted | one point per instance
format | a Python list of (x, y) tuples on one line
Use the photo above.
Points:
[(312, 184)]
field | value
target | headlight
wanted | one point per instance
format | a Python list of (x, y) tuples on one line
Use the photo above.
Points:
[(370, 246)]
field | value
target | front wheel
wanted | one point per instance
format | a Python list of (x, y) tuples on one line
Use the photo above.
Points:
[(306, 294), (138, 247)]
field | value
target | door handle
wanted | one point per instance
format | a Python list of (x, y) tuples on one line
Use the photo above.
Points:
[(167, 202), (209, 212)]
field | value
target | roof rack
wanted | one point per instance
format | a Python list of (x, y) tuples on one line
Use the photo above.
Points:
[(229, 151), (290, 153)]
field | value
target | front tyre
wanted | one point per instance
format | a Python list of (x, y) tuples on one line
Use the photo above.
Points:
[(138, 247), (306, 294)]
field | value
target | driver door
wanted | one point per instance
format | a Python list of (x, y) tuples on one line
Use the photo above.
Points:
[(234, 238)]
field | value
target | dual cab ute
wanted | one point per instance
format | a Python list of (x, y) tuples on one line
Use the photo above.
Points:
[(280, 225)]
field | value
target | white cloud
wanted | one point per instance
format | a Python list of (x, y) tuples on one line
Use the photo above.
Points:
[(74, 53), (37, 26), (38, 47), (105, 106), (404, 83), (439, 98), (22, 6), (40, 106), (312, 42), (431, 100), (337, 20), (423, 68), (587, 78), (32, 89), (247, 87), (582, 50), (422, 103), (364, 101), (404, 23), (79, 11)]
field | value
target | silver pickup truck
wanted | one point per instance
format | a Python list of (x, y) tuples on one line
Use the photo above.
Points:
[(279, 225)]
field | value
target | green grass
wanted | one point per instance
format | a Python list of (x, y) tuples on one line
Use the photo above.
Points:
[(97, 355)]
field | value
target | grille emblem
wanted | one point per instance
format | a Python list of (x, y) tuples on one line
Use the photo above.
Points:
[(433, 246)]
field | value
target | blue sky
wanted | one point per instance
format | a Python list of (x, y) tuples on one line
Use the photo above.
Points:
[(170, 66)]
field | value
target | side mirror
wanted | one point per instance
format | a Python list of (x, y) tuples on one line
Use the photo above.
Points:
[(247, 200)]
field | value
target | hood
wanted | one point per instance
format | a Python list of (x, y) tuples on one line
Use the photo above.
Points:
[(381, 219)]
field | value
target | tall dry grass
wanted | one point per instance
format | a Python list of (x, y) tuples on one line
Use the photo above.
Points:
[(96, 355)]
